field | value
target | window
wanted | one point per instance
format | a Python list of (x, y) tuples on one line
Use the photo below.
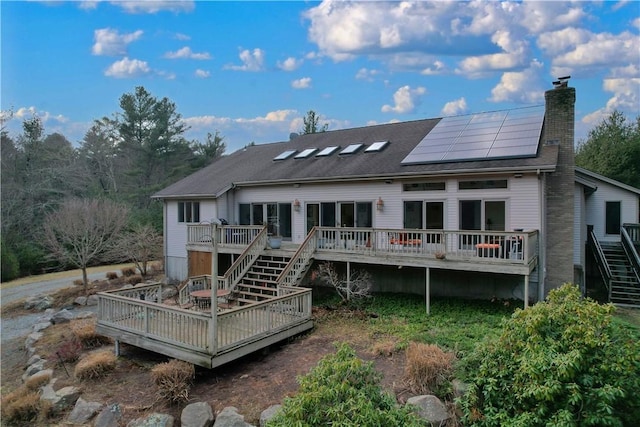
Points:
[(424, 186), (322, 214), (276, 216), (245, 214), (479, 215), (612, 217), (358, 214), (482, 185), (188, 211)]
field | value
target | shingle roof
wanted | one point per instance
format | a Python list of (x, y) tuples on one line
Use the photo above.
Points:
[(255, 164)]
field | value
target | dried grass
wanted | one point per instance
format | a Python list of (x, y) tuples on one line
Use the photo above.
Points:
[(111, 275), (21, 407), (34, 382), (95, 365), (128, 271), (134, 279), (384, 348), (85, 331), (78, 282), (174, 380), (428, 368)]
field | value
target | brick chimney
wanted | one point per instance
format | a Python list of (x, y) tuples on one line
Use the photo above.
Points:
[(559, 213)]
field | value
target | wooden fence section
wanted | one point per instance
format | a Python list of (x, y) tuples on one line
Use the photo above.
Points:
[(187, 334)]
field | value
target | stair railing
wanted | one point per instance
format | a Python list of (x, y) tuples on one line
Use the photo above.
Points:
[(601, 260), (630, 249), (299, 262), (244, 262)]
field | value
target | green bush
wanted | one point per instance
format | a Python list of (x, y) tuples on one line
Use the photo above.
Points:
[(342, 390), (562, 362), (10, 263)]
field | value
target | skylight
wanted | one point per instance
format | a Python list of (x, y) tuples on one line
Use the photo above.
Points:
[(376, 146), (327, 151), (305, 153), (284, 155), (352, 148)]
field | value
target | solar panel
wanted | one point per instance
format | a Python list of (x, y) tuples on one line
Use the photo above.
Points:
[(352, 148), (376, 146), (284, 155), (327, 151), (490, 135), (305, 153)]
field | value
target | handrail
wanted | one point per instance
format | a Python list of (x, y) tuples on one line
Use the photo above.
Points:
[(240, 266), (601, 260), (630, 250), (633, 230), (297, 263)]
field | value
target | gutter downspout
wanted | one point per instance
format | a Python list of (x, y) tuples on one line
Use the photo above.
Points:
[(542, 241)]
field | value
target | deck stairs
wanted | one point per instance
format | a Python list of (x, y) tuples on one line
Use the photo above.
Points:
[(260, 281), (625, 287)]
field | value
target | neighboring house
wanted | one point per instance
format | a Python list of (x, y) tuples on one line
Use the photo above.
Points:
[(497, 193)]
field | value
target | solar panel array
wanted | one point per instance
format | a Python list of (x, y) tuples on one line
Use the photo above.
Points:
[(491, 135)]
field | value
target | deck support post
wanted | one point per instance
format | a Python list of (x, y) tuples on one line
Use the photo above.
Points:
[(213, 322), (117, 348), (526, 290), (348, 281), (427, 291)]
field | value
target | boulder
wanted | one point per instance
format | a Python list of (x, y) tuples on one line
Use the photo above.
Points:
[(153, 420), (430, 408), (61, 399), (32, 369), (63, 316), (197, 414), (83, 411), (80, 301), (44, 373), (33, 359), (110, 416), (32, 338), (92, 300), (40, 326), (229, 417), (38, 302), (268, 413)]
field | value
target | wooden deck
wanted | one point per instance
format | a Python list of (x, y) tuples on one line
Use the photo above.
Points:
[(198, 337)]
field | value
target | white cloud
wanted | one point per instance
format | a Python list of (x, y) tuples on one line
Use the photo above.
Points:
[(45, 116), (88, 4), (187, 53), (183, 37), (367, 74), (626, 98), (109, 42), (405, 100), (155, 6), (513, 56), (582, 50), (303, 83), (251, 61), (455, 107), (203, 74), (438, 67), (290, 64), (524, 87), (126, 68)]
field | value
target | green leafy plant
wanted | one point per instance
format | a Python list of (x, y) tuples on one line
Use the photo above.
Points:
[(343, 390), (562, 362)]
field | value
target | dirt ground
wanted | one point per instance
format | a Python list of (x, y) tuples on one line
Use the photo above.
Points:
[(251, 384)]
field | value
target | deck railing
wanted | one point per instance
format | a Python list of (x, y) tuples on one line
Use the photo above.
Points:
[(498, 246), (291, 273), (146, 292), (240, 266), (184, 328), (189, 329), (228, 234), (243, 324)]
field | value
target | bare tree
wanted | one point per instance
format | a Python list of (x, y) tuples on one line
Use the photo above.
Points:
[(142, 245), (83, 232), (356, 287)]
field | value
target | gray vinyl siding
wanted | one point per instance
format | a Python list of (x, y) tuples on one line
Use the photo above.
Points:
[(595, 208)]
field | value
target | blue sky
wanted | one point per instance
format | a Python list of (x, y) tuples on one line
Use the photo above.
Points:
[(251, 70)]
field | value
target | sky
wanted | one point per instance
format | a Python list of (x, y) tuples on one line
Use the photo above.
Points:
[(252, 70)]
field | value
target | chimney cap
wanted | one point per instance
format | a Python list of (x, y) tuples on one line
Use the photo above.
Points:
[(561, 82)]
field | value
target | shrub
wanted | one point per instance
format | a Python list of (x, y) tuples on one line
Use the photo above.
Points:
[(34, 382), (68, 351), (95, 365), (128, 271), (85, 332), (342, 390), (428, 369), (561, 362), (10, 265), (134, 280), (173, 380), (111, 275), (78, 282), (21, 407)]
